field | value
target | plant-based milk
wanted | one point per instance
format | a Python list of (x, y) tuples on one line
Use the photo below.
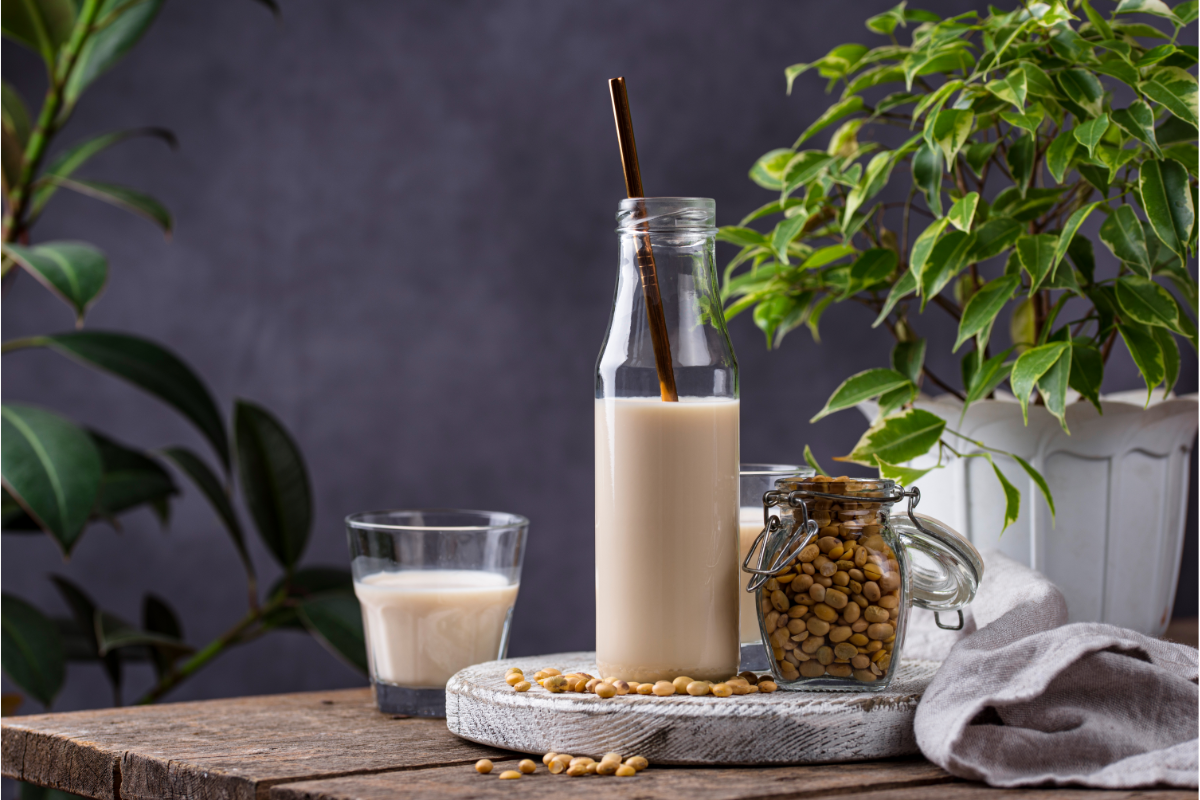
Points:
[(423, 626), (667, 538), (751, 525)]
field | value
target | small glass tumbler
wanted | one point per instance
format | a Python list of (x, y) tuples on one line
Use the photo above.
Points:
[(437, 588), (756, 480)]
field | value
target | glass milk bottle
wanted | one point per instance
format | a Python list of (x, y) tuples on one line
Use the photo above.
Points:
[(667, 471)]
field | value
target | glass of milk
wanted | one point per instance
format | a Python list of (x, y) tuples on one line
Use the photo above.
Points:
[(437, 588), (756, 480), (667, 572)]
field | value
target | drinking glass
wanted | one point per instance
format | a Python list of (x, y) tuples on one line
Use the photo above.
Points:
[(755, 481), (437, 588)]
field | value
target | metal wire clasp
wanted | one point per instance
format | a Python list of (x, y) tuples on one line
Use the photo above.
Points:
[(805, 530)]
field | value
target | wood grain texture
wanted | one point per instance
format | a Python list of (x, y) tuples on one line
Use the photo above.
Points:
[(728, 783), (234, 748), (805, 727)]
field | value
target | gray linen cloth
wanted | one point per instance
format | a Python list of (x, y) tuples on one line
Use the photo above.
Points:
[(1022, 698)]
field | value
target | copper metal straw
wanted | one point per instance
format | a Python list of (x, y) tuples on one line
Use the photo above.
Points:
[(645, 255)]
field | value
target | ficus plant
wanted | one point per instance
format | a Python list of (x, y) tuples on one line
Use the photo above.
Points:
[(1009, 132), (60, 478)]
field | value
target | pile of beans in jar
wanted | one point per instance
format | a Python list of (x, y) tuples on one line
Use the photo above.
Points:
[(833, 611)]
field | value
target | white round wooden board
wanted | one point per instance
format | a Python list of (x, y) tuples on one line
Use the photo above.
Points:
[(778, 728)]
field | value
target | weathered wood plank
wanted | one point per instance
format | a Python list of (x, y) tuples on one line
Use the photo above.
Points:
[(693, 783), (235, 748), (976, 791), (806, 727)]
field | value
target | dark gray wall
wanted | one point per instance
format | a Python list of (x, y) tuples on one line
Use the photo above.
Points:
[(395, 229)]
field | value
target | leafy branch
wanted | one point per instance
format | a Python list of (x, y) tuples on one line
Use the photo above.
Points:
[(1014, 143)]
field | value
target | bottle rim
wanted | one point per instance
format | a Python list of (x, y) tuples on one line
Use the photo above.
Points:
[(691, 214)]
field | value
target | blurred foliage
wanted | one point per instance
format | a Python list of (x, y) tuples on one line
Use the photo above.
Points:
[(60, 478)]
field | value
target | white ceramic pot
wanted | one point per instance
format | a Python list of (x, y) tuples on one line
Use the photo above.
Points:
[(1120, 484)]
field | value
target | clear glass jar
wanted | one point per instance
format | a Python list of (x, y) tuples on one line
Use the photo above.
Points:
[(755, 481), (667, 471), (837, 574)]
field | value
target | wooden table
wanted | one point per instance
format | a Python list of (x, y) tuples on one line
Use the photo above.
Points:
[(327, 745)]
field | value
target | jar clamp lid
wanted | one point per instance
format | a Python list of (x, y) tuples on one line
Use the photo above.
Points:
[(947, 585)]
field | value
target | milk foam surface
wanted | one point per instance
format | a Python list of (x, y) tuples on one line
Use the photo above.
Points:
[(423, 626), (667, 538)]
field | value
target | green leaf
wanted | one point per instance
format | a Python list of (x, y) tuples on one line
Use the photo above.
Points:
[(1095, 176), (113, 633), (152, 369), (16, 127), (990, 374), (1030, 367), (1028, 121), (1122, 233), (1138, 121), (896, 399), (131, 479), (872, 267), (1167, 200), (904, 287), (83, 611), (32, 651), (1037, 257), (1177, 93), (963, 211), (1155, 7), (302, 584), (1171, 359), (335, 620), (786, 231), (827, 255), (1087, 372), (1058, 156), (908, 358), (122, 197), (840, 109), (274, 481), (1089, 133), (860, 387), (994, 237), (981, 310), (1083, 89), (1021, 157), (210, 486), (886, 22), (51, 467), (1117, 68), (1147, 354), (743, 237), (978, 154), (69, 161), (41, 25), (923, 246), (951, 128), (1080, 251), (768, 171), (1012, 497), (1038, 83), (927, 175), (1068, 233), (106, 46), (1097, 21), (1053, 386), (905, 476), (1146, 302), (898, 438), (811, 460), (1174, 131), (74, 271), (158, 617), (873, 180), (804, 167), (950, 255)]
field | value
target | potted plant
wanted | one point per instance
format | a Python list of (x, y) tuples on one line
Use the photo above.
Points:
[(1012, 134)]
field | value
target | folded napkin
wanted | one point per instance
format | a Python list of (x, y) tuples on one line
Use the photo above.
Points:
[(1022, 698)]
